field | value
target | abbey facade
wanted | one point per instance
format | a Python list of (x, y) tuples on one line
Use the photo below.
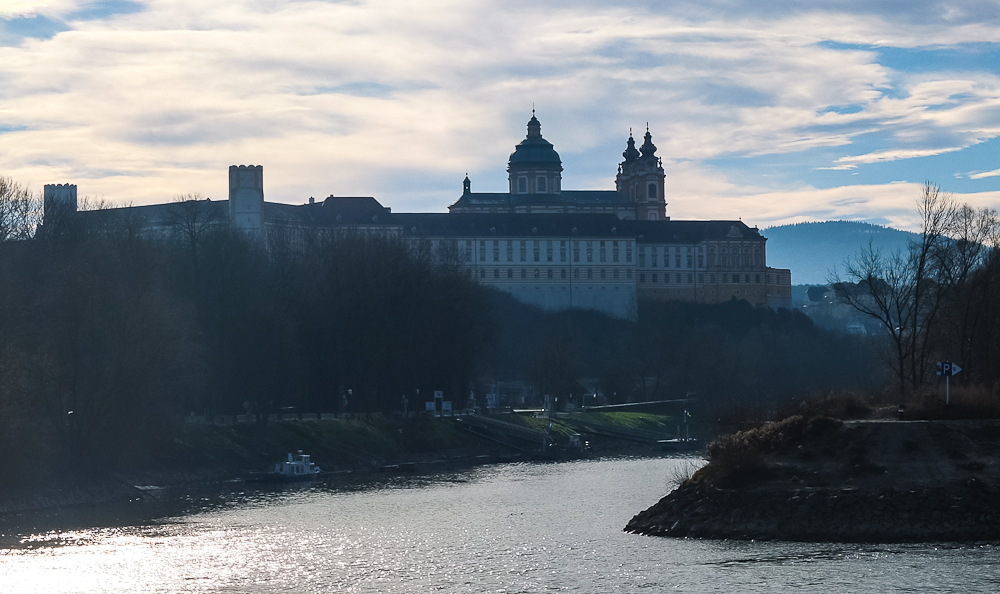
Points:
[(605, 250)]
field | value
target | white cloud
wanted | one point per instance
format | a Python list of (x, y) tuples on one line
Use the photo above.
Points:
[(985, 174), (399, 99), (10, 8)]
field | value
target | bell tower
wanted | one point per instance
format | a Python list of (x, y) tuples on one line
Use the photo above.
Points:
[(641, 179)]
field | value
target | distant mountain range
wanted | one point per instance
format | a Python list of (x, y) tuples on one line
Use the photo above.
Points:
[(813, 250)]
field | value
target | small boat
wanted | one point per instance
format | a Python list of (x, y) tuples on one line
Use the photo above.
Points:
[(297, 468)]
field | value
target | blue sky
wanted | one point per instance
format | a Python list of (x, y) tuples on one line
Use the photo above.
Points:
[(772, 112)]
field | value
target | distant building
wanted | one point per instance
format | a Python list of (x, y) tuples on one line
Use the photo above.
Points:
[(605, 250)]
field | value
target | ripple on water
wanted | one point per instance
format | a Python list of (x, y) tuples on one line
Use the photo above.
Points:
[(508, 528)]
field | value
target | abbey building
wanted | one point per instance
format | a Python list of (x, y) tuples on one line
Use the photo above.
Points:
[(606, 250)]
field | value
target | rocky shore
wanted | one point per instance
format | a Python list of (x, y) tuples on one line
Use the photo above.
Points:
[(882, 481)]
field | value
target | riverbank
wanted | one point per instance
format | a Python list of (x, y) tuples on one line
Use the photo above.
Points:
[(203, 452), (854, 481)]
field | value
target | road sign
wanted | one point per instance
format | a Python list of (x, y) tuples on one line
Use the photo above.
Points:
[(947, 368)]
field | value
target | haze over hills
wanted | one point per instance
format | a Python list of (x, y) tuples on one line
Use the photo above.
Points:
[(813, 250)]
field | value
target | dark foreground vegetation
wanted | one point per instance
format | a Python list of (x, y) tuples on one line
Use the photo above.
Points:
[(112, 336)]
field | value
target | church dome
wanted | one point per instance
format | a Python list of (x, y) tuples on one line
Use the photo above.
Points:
[(535, 152)]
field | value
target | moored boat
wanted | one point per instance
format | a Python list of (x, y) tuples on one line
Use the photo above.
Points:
[(297, 468)]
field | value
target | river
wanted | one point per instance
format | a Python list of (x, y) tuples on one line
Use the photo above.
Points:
[(508, 528)]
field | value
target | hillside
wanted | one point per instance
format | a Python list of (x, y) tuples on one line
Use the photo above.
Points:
[(812, 250)]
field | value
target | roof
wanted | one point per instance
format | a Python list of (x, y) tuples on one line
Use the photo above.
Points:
[(564, 198)]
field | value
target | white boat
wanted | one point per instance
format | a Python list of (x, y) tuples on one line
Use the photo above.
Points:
[(298, 467)]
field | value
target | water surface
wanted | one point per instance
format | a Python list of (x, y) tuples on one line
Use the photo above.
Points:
[(507, 528)]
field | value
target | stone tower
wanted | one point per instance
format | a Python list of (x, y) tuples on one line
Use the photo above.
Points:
[(641, 180), (534, 166), (58, 201), (246, 196)]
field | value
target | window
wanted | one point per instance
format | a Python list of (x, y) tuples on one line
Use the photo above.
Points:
[(555, 184), (746, 278), (524, 273), (654, 277), (522, 185), (549, 273), (537, 245), (576, 251), (482, 250), (562, 251), (537, 275), (576, 273), (510, 251), (677, 258), (604, 252), (736, 278), (590, 273), (562, 273), (642, 277), (496, 273), (653, 256), (701, 257), (590, 251), (524, 250), (628, 251), (711, 257), (651, 191), (758, 278), (690, 257), (468, 251), (602, 273), (510, 273), (496, 250), (614, 251), (540, 185), (482, 273), (616, 273), (652, 216), (628, 273), (690, 278), (548, 251)]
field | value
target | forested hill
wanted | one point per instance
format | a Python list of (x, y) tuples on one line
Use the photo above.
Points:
[(812, 250)]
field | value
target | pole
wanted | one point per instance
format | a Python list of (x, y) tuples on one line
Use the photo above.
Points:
[(947, 391)]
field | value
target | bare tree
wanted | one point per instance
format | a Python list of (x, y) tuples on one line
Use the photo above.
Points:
[(905, 291), (20, 211)]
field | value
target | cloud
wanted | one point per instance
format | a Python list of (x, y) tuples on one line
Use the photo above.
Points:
[(399, 99), (984, 174), (890, 155)]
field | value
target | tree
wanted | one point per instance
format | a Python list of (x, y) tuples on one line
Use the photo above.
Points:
[(905, 291), (20, 211)]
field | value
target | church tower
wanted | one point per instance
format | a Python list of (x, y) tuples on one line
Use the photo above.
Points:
[(534, 166), (641, 180)]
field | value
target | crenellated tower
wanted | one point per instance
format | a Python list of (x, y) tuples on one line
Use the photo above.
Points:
[(246, 196), (641, 179)]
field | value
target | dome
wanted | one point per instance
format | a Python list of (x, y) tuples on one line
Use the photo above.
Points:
[(535, 152)]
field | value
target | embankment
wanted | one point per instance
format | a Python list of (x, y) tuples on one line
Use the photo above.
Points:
[(855, 481)]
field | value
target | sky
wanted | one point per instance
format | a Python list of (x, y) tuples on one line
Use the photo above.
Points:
[(773, 112)]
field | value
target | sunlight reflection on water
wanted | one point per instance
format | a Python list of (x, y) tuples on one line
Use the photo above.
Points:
[(508, 528)]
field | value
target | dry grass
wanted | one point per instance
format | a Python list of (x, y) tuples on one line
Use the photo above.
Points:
[(967, 402)]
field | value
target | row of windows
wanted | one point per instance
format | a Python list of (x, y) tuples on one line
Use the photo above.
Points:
[(541, 184), (550, 273), (536, 250), (689, 277), (680, 256)]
